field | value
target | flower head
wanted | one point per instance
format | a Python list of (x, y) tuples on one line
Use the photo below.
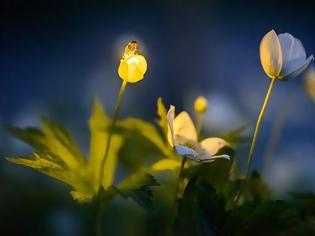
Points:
[(132, 65), (309, 84), (201, 104), (182, 136), (282, 56)]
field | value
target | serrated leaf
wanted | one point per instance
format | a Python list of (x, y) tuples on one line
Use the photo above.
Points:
[(59, 142), (112, 161), (30, 135), (35, 162), (215, 174), (54, 139), (147, 130), (44, 163), (200, 211), (81, 197), (142, 193), (99, 124)]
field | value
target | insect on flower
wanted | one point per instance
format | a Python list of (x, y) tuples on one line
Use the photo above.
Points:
[(282, 56), (132, 65), (182, 136)]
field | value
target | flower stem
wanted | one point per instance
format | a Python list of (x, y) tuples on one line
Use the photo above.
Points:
[(178, 183), (111, 130), (98, 205), (256, 132), (199, 122), (174, 203)]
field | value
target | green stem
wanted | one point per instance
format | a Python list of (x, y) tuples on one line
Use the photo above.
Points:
[(180, 175), (174, 203), (256, 132), (111, 130), (199, 122), (98, 205)]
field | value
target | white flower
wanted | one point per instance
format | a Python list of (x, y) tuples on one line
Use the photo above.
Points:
[(282, 56), (182, 136)]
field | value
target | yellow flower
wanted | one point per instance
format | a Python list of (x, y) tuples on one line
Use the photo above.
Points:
[(282, 56), (201, 104), (309, 84), (132, 65), (182, 136)]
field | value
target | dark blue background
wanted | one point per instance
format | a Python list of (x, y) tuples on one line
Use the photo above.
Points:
[(56, 55)]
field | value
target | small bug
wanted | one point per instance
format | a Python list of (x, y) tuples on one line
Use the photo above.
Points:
[(131, 49)]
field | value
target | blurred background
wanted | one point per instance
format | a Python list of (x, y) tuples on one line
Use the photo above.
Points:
[(55, 56)]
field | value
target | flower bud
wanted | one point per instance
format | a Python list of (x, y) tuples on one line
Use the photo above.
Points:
[(132, 66), (201, 104), (309, 84), (283, 56)]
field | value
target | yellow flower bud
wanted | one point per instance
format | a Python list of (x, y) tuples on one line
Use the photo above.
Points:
[(132, 65), (201, 104)]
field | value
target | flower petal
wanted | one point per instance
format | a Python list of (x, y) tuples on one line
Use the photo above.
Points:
[(294, 56), (170, 129), (213, 145), (186, 152), (270, 54), (291, 48), (184, 127), (132, 69), (296, 68), (204, 159)]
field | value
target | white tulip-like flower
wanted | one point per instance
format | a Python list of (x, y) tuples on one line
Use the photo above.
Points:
[(282, 56), (182, 136)]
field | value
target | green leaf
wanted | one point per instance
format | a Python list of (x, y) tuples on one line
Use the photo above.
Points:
[(59, 157), (256, 189), (99, 124), (231, 191), (81, 197), (235, 137), (54, 167), (215, 174), (165, 164), (200, 211), (59, 142), (38, 161), (54, 139), (142, 193), (147, 130), (43, 162), (30, 135)]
